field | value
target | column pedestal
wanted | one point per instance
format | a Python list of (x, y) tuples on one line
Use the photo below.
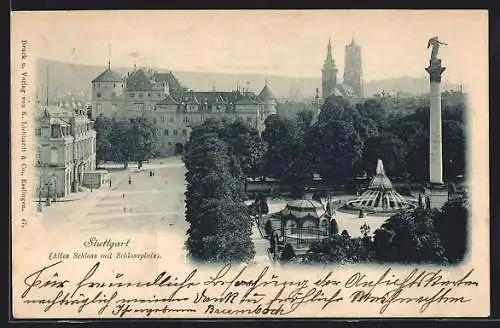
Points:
[(437, 195)]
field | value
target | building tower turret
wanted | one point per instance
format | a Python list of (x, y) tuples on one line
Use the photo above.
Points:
[(107, 89), (329, 73), (353, 72), (267, 96)]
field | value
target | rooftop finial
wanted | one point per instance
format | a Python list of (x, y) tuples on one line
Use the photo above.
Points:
[(109, 55), (266, 82)]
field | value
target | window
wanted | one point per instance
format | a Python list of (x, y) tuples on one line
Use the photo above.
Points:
[(99, 94), (162, 119), (54, 132), (140, 94), (38, 132), (165, 132), (132, 95), (113, 94), (154, 120), (186, 119), (114, 85), (53, 156), (113, 107), (38, 155), (98, 107), (175, 132), (171, 119), (149, 94), (184, 132)]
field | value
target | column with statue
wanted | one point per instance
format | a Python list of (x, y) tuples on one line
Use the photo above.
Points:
[(435, 189)]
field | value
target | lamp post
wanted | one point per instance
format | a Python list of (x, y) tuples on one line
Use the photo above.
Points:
[(54, 190)]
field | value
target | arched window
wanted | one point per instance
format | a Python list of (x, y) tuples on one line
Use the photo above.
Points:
[(53, 156)]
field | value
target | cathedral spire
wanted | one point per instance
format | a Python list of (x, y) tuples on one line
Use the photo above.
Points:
[(329, 57)]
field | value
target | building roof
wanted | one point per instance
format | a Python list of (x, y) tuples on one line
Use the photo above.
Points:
[(169, 78), (266, 93), (108, 76), (169, 100), (301, 208), (59, 115), (248, 98), (138, 81)]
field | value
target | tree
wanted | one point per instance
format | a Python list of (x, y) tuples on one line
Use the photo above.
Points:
[(220, 225), (245, 144), (451, 225), (390, 149), (376, 110), (286, 158), (454, 145), (338, 148), (104, 147), (288, 253), (119, 138), (143, 138), (334, 227), (409, 237)]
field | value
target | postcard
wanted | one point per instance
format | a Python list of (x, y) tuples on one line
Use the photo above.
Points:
[(250, 164)]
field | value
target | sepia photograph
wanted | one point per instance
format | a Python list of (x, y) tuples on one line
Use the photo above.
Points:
[(318, 163)]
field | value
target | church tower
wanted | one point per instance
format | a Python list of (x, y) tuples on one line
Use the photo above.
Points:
[(329, 73), (353, 73)]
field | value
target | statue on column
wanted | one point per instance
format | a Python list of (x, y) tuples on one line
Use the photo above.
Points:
[(434, 43)]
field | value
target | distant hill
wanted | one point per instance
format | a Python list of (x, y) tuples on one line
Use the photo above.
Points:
[(71, 78)]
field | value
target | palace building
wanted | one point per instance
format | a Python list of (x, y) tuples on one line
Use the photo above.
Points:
[(173, 108), (65, 150)]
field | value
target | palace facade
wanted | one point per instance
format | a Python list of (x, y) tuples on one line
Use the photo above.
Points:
[(65, 149), (173, 108)]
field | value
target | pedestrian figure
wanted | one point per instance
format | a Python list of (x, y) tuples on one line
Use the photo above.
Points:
[(123, 195), (150, 173), (110, 183), (129, 180)]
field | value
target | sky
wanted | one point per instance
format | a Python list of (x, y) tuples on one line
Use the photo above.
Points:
[(289, 43)]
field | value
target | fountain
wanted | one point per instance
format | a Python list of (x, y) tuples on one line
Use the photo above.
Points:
[(380, 196)]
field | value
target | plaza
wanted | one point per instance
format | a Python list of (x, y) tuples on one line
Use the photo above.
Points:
[(156, 205), (153, 205)]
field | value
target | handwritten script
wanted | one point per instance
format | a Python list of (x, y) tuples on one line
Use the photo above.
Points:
[(233, 291)]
